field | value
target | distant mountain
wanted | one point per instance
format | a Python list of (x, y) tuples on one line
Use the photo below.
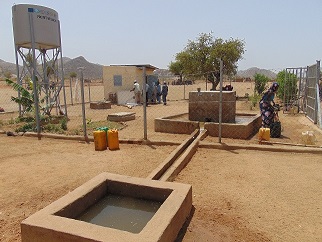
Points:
[(66, 59), (95, 71), (7, 67), (91, 71), (249, 73)]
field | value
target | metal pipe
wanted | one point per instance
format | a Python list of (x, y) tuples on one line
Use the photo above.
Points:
[(220, 101), (62, 70), (89, 91), (34, 81), (71, 90), (19, 82), (144, 105), (45, 76), (300, 91), (83, 105)]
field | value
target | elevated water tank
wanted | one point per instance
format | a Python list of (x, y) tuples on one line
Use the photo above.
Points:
[(40, 21)]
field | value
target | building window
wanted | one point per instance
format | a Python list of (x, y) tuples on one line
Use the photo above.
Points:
[(117, 80)]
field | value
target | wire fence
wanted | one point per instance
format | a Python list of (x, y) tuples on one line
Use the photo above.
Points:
[(189, 105)]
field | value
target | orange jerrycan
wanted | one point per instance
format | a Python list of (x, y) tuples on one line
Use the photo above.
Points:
[(264, 134), (113, 139), (100, 140)]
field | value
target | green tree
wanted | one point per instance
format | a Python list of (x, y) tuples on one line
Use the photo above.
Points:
[(287, 86), (177, 69), (201, 57), (260, 83), (72, 75)]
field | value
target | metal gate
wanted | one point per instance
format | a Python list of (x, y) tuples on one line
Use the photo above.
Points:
[(294, 97), (313, 111)]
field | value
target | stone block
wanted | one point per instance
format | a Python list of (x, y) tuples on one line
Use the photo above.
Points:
[(121, 116), (100, 105)]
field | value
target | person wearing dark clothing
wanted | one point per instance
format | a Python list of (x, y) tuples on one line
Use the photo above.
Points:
[(164, 93), (147, 93), (266, 105), (158, 87)]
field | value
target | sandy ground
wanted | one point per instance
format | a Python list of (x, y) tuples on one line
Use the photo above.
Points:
[(238, 195)]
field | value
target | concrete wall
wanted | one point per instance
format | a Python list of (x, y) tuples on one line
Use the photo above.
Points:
[(204, 106)]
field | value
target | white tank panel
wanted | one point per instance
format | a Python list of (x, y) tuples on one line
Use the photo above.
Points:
[(45, 26)]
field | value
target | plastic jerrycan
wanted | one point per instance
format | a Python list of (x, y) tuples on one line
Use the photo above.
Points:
[(100, 140), (113, 139), (104, 129), (264, 134)]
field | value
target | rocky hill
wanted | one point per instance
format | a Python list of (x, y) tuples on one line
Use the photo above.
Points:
[(95, 71), (249, 73), (7, 67), (91, 71)]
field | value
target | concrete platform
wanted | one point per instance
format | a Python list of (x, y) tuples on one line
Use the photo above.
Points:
[(176, 124), (121, 116), (57, 223), (100, 105), (245, 126)]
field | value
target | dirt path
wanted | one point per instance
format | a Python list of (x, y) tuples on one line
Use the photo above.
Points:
[(239, 195)]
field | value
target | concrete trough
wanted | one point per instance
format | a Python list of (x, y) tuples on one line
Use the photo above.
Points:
[(244, 127), (58, 221)]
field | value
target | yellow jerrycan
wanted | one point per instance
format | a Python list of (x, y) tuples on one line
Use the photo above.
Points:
[(113, 139), (264, 134), (100, 140)]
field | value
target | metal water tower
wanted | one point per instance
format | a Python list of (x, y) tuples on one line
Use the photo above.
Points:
[(37, 41)]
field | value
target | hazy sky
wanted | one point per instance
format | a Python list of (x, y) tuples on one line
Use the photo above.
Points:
[(277, 33)]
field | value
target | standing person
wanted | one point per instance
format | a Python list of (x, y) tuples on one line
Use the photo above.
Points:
[(158, 87), (137, 92), (147, 93), (266, 105), (164, 92), (154, 93)]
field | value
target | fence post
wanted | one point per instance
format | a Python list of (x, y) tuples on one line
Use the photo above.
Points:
[(220, 101), (71, 90), (83, 105), (144, 105), (89, 90)]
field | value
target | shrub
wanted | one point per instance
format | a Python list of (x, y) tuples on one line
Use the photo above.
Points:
[(287, 85), (260, 83)]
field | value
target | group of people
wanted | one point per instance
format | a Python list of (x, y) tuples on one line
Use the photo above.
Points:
[(266, 104), (157, 91)]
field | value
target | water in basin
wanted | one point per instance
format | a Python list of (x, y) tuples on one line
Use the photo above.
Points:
[(120, 212)]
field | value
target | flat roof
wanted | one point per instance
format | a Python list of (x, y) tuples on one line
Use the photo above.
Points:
[(140, 65)]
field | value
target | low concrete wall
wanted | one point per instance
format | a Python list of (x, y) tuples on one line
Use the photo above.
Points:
[(177, 125), (57, 223), (235, 131), (174, 125)]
